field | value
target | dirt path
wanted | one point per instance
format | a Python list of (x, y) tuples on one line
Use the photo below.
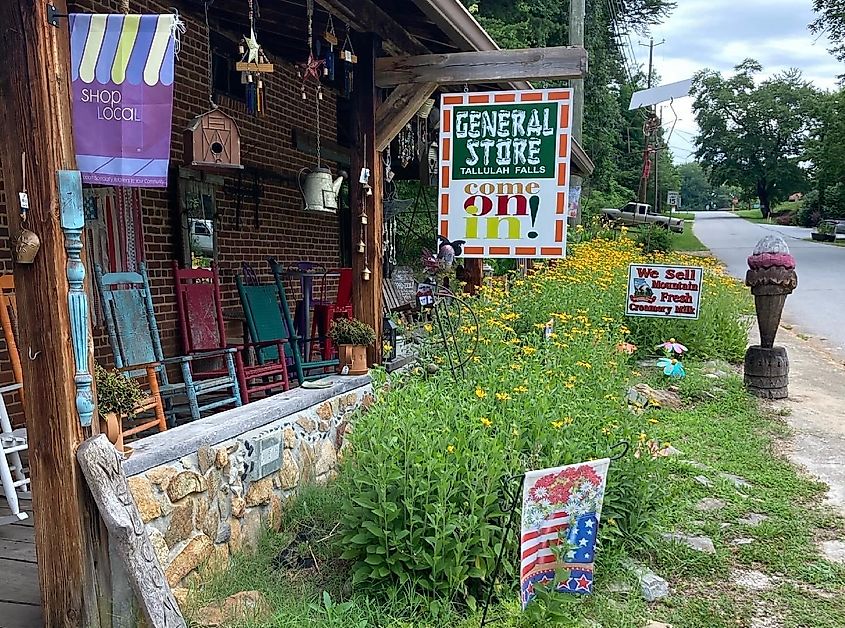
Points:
[(816, 411)]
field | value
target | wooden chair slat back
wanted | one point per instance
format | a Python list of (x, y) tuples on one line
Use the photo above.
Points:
[(200, 309), (9, 322)]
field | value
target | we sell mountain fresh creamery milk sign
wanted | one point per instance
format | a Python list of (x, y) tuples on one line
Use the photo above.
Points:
[(504, 172)]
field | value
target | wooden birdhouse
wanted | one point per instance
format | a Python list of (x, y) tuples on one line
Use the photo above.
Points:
[(212, 141)]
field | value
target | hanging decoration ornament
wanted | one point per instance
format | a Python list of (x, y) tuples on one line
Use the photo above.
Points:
[(325, 50), (350, 59), (407, 146), (312, 69), (27, 243), (252, 65)]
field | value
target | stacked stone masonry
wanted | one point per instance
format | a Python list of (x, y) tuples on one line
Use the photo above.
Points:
[(202, 508)]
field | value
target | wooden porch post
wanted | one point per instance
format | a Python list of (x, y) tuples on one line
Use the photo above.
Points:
[(35, 122), (367, 295)]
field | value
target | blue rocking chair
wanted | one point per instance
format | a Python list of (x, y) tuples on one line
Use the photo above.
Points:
[(135, 341)]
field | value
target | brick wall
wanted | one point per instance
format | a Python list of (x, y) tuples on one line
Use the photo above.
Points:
[(285, 232)]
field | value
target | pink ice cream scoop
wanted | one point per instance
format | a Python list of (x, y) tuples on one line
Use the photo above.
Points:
[(771, 277)]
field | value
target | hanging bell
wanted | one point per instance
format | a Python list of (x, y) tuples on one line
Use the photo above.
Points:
[(366, 273), (26, 246), (364, 219), (362, 247)]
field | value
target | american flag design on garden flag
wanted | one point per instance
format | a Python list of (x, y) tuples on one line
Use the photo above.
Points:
[(561, 509)]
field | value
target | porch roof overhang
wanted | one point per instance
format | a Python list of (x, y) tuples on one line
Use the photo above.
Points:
[(465, 33)]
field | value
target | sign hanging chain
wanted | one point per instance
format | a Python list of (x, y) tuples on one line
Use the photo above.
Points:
[(210, 57)]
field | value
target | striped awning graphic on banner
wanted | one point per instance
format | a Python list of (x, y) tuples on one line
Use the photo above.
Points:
[(122, 48), (122, 73)]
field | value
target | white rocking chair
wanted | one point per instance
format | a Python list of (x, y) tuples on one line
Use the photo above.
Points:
[(15, 483)]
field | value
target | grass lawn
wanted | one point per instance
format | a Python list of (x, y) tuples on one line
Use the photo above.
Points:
[(752, 215), (687, 241), (720, 430), (683, 215)]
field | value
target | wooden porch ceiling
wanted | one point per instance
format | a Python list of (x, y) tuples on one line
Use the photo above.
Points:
[(282, 24)]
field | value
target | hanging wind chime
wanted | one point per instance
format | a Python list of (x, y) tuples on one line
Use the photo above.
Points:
[(252, 65), (313, 67), (350, 59), (326, 50)]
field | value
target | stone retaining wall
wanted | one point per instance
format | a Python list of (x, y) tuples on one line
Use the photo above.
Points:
[(202, 506)]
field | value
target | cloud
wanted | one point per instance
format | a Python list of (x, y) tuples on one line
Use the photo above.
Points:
[(719, 34)]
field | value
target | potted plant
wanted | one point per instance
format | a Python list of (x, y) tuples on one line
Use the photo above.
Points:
[(117, 398), (825, 232), (352, 338)]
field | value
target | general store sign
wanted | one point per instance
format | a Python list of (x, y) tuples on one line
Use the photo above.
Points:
[(664, 291), (504, 172)]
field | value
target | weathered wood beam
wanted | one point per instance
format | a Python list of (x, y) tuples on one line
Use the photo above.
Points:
[(487, 66), (367, 293), (103, 469), (395, 112), (35, 124), (366, 16)]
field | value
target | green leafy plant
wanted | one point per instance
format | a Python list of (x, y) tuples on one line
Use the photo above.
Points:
[(654, 239), (116, 392), (352, 332)]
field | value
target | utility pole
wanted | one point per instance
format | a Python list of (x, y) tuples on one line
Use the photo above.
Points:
[(577, 12), (577, 16), (647, 134)]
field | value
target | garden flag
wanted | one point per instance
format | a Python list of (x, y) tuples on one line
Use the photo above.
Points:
[(561, 509), (122, 70)]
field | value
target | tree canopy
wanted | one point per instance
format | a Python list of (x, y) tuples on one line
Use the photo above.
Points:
[(831, 22), (755, 135), (612, 135)]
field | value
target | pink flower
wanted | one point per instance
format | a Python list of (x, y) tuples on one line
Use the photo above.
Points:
[(672, 346)]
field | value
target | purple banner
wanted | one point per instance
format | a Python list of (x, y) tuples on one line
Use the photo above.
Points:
[(122, 69)]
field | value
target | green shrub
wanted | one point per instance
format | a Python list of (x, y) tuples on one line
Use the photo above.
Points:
[(116, 392), (423, 484), (345, 331), (810, 211), (654, 239)]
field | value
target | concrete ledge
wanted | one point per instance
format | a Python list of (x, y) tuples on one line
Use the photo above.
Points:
[(187, 439)]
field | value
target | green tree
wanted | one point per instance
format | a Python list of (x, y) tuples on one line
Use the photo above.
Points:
[(754, 135), (831, 22), (695, 188)]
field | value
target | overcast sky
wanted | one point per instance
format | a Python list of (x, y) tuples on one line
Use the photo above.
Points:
[(719, 34)]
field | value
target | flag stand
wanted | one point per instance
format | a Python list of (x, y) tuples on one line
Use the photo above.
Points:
[(513, 502)]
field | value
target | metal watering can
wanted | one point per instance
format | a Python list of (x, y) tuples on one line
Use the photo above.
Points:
[(319, 189)]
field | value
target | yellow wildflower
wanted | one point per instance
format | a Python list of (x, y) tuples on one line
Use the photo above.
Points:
[(486, 422), (450, 449), (480, 393), (529, 350), (503, 396), (557, 424)]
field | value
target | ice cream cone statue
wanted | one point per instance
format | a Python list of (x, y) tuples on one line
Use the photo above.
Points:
[(771, 277)]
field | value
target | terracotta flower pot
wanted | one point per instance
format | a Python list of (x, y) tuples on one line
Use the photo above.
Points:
[(354, 357)]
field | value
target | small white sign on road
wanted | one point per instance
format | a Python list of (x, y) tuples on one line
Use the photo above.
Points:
[(664, 291), (673, 198)]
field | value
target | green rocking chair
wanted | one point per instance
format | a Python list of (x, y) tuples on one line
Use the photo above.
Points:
[(268, 316)]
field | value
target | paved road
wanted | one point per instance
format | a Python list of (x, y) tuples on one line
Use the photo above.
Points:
[(817, 307)]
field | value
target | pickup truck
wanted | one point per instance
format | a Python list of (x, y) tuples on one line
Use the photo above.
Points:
[(637, 214)]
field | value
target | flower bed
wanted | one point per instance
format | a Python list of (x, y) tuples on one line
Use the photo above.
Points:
[(424, 482)]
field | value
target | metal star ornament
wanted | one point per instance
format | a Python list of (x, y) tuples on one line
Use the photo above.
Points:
[(253, 49), (312, 68)]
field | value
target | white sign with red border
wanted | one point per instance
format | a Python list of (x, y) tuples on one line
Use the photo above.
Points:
[(504, 172), (664, 291)]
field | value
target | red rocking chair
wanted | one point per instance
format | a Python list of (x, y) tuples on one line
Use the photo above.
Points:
[(326, 312), (203, 329)]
